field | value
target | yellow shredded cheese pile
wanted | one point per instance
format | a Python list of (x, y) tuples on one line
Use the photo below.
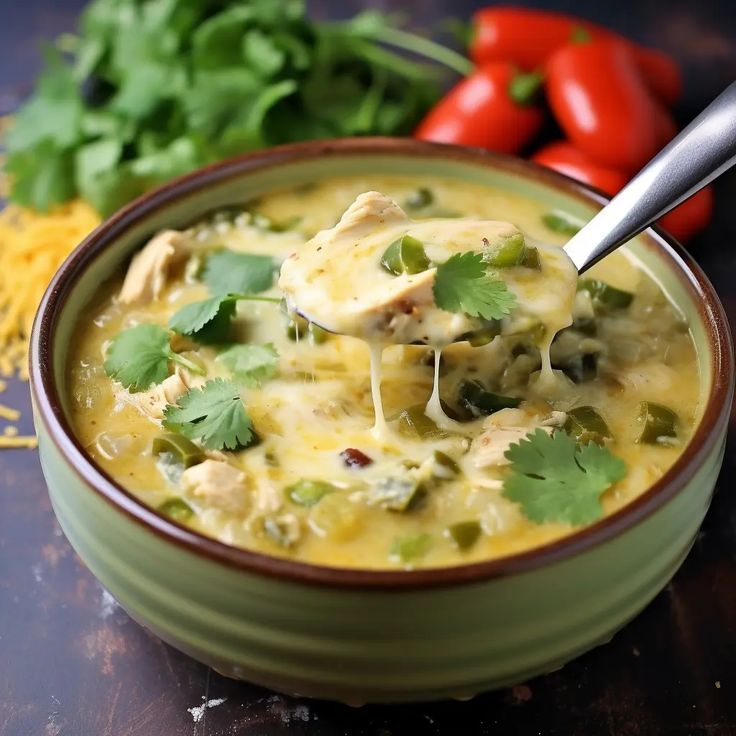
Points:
[(32, 247)]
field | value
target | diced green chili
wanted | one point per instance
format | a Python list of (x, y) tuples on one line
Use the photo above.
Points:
[(507, 252), (579, 368), (585, 424), (531, 258), (445, 466), (485, 334), (658, 423), (604, 296), (183, 450), (419, 198), (316, 334), (408, 549), (309, 492), (177, 509), (511, 250), (397, 493), (464, 533), (413, 422), (405, 255), (560, 224), (480, 402)]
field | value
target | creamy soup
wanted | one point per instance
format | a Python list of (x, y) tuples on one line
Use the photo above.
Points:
[(478, 401)]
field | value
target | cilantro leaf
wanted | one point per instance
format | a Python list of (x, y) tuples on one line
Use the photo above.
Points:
[(462, 285), (42, 176), (139, 357), (213, 414), (53, 114), (251, 364), (555, 479), (207, 320), (229, 77), (228, 272)]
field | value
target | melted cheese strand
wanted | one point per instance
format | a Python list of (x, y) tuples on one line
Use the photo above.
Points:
[(380, 428), (434, 408)]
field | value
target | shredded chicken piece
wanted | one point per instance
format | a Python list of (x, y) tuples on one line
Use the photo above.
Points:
[(503, 429), (555, 419), (369, 210), (152, 403), (217, 483), (149, 269)]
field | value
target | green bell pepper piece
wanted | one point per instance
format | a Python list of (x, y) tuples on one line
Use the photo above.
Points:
[(585, 424), (464, 534), (658, 423), (405, 255), (183, 450), (480, 402)]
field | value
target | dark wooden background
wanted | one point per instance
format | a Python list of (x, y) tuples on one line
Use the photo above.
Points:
[(73, 664)]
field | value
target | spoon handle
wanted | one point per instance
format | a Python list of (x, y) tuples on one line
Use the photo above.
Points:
[(699, 154)]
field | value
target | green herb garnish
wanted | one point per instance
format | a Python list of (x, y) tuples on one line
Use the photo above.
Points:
[(155, 89), (213, 414), (463, 285), (208, 321), (228, 272), (560, 224), (139, 357), (251, 364), (553, 478)]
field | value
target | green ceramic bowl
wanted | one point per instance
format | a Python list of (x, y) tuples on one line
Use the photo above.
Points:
[(365, 636)]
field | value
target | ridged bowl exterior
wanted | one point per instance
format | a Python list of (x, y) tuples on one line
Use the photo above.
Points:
[(347, 636)]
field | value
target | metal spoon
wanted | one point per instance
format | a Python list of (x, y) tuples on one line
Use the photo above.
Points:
[(699, 154)]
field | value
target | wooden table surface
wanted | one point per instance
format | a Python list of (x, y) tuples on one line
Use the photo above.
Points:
[(73, 664)]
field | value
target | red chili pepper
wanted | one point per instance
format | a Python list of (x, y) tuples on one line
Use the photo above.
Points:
[(689, 218), (529, 37), (601, 102), (660, 71), (492, 108), (562, 156)]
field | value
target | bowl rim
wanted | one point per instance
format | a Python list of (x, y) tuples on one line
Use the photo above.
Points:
[(50, 413)]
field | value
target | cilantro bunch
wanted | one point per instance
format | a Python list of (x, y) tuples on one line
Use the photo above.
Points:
[(151, 89)]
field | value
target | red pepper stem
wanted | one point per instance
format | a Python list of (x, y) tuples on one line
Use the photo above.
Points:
[(523, 87)]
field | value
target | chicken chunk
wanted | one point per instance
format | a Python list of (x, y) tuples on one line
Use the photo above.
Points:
[(152, 403), (149, 269), (503, 429), (369, 211), (217, 484)]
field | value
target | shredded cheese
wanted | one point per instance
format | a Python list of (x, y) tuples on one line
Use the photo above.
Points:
[(28, 441), (9, 413), (32, 247)]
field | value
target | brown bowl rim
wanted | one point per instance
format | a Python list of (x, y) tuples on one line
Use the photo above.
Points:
[(50, 413)]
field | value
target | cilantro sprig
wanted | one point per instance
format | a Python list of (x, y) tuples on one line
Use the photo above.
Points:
[(553, 478), (229, 272), (139, 357), (213, 414), (150, 90), (462, 284), (208, 320), (251, 364)]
